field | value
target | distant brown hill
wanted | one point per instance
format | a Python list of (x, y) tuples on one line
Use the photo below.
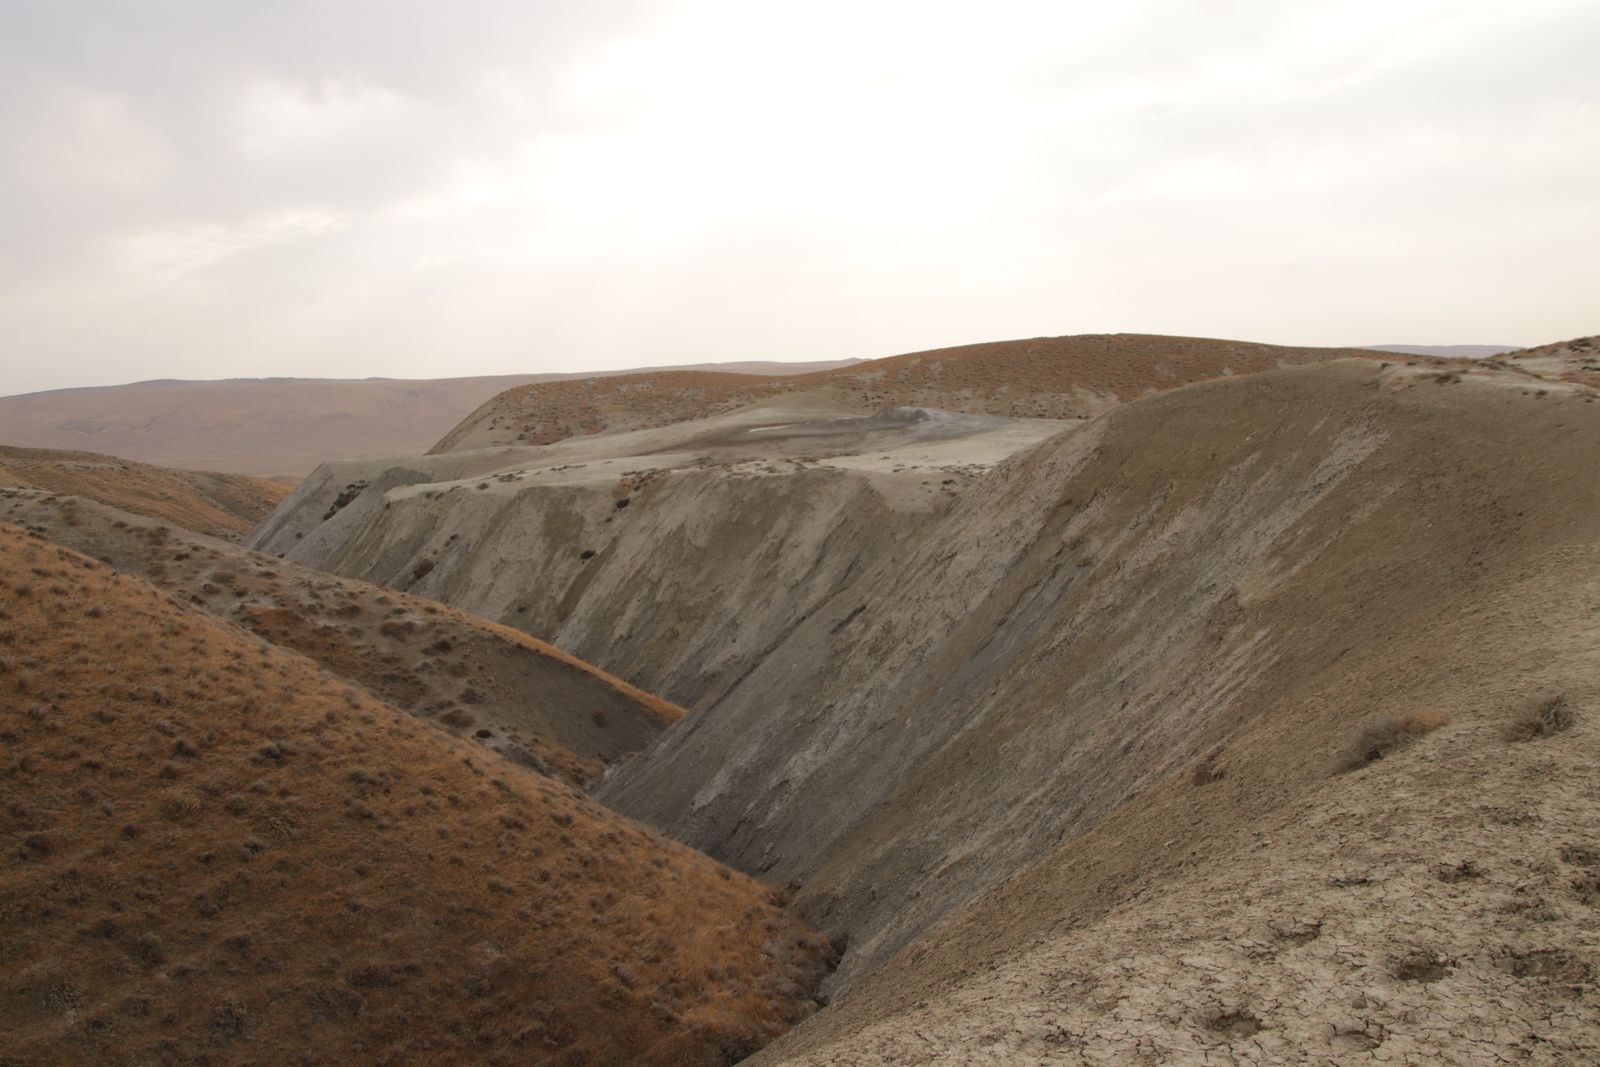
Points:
[(213, 852), (1575, 362), (221, 505), (1042, 377), (1447, 351), (268, 426)]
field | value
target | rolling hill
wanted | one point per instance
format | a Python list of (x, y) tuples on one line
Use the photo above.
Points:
[(221, 505), (510, 693), (217, 853), (266, 426), (1043, 377)]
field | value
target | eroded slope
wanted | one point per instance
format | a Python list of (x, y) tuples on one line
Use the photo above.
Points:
[(215, 852), (676, 556), (1439, 906), (1267, 553)]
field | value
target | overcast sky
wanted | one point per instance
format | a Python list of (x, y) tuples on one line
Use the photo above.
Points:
[(419, 189)]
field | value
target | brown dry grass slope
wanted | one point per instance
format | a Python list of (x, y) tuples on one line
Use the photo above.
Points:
[(500, 687), (215, 853), (222, 505), (1045, 377)]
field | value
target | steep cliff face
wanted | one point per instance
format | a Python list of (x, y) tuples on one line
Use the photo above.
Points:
[(678, 556)]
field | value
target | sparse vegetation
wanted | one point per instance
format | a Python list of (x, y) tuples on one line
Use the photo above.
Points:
[(314, 881), (1209, 770), (1378, 738), (221, 505), (1546, 718)]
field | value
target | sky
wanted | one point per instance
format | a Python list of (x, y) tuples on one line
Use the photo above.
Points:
[(226, 188)]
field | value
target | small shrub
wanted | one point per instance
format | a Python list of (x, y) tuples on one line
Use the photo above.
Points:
[(1208, 769), (1545, 719), (423, 566), (148, 950), (228, 1022), (1379, 737)]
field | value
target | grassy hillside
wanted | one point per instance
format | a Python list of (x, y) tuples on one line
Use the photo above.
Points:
[(221, 505), (216, 853), (496, 686)]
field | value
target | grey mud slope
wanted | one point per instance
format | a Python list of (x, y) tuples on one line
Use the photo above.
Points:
[(1441, 905), (677, 556), (1104, 611), (910, 686)]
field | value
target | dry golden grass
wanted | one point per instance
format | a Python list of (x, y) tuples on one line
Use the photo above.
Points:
[(1377, 738), (500, 687), (222, 505), (214, 852), (1545, 719), (1046, 377)]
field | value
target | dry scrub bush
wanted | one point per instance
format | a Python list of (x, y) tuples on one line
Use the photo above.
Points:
[(1544, 719), (1208, 770), (1379, 737)]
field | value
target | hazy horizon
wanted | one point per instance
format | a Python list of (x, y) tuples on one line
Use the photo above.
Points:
[(204, 191), (515, 374)]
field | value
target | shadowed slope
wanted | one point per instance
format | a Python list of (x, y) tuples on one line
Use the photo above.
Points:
[(214, 851)]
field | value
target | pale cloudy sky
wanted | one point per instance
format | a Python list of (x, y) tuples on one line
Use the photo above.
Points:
[(226, 188)]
